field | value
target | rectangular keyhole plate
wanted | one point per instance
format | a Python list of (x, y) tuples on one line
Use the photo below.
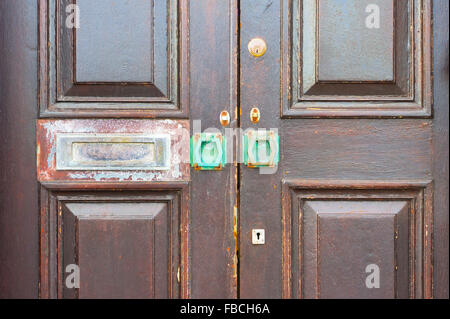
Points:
[(258, 237)]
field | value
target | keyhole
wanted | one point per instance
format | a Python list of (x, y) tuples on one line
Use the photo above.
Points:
[(258, 237)]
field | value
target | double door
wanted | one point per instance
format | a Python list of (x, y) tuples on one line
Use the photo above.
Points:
[(226, 149)]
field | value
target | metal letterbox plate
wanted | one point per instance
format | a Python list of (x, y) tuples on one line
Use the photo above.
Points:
[(112, 152)]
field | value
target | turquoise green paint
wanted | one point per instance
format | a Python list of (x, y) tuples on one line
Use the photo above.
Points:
[(266, 152), (208, 152)]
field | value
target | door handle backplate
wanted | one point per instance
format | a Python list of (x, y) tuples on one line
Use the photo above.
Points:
[(261, 148), (208, 151)]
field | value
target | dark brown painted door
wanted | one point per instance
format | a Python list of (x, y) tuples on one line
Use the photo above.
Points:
[(99, 94), (349, 211), (114, 184), (106, 105)]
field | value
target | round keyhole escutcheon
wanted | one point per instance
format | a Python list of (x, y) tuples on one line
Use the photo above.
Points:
[(255, 115), (257, 47), (224, 118)]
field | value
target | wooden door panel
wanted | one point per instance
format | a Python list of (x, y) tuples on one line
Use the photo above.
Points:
[(130, 243), (343, 186), (333, 230), (125, 243), (124, 53), (339, 58), (214, 56), (125, 58), (335, 65), (367, 148), (121, 248)]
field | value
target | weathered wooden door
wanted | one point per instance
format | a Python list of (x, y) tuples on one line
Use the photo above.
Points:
[(101, 95), (331, 180), (349, 87)]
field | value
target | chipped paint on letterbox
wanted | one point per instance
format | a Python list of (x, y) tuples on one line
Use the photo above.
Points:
[(113, 150)]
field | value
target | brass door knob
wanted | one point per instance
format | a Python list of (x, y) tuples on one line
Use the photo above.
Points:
[(257, 47)]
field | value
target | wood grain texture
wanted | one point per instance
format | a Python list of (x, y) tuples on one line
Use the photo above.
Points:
[(409, 94), (260, 199), (167, 95), (440, 149), (74, 215), (354, 149), (366, 221), (19, 230), (358, 148), (214, 88)]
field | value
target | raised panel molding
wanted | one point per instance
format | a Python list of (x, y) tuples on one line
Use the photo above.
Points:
[(333, 229), (324, 76), (116, 233), (82, 76)]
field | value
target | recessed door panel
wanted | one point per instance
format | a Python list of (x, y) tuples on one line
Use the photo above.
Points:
[(121, 248), (355, 239), (113, 58), (367, 54), (130, 243), (108, 47), (356, 58)]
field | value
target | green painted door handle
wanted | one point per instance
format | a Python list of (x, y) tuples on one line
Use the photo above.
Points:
[(208, 151), (261, 148)]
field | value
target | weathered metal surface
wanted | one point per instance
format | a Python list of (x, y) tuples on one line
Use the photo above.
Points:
[(255, 115), (261, 148), (113, 150), (224, 118), (257, 47), (208, 151)]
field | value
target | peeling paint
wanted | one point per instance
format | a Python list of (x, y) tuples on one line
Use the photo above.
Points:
[(235, 234), (178, 130)]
